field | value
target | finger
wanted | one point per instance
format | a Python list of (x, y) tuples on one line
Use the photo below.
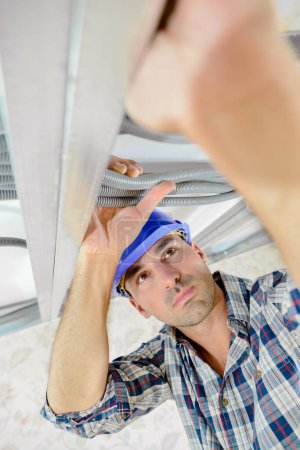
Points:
[(125, 166), (135, 163), (118, 166), (133, 171), (154, 197)]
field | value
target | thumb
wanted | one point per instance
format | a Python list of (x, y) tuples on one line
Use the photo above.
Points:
[(154, 197)]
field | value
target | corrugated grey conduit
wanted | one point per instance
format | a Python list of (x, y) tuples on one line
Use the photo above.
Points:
[(196, 186), (118, 190), (7, 184), (12, 242), (131, 128)]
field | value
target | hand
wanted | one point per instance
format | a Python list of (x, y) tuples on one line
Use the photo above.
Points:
[(212, 53), (125, 166), (220, 73), (111, 230)]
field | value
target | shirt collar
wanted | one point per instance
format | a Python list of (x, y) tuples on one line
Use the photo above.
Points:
[(237, 295)]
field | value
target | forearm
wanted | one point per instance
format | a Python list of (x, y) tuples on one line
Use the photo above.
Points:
[(255, 142), (80, 355)]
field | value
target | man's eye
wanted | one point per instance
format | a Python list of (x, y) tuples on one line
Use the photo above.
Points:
[(141, 278), (170, 252)]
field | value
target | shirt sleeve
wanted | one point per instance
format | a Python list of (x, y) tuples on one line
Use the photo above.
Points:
[(292, 314), (136, 384), (285, 295)]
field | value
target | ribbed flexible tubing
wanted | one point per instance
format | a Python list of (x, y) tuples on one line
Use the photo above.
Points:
[(118, 202), (146, 181), (12, 242), (118, 190), (130, 127), (191, 187), (8, 194), (7, 185)]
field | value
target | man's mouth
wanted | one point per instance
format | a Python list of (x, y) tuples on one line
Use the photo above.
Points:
[(183, 296)]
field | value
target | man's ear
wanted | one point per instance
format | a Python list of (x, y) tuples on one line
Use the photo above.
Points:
[(139, 308), (199, 251)]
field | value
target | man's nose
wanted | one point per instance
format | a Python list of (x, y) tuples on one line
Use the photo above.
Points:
[(170, 275)]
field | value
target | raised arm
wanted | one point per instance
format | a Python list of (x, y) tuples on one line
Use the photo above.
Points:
[(80, 356), (221, 74)]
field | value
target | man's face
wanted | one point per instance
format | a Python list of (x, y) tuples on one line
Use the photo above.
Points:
[(172, 282)]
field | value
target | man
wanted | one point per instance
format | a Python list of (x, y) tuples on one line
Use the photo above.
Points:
[(229, 353)]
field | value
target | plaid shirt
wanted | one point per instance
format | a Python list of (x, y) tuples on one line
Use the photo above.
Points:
[(255, 405)]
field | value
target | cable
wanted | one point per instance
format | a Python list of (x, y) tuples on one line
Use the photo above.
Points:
[(131, 128), (119, 190), (192, 187), (204, 172), (118, 202), (9, 194), (12, 242)]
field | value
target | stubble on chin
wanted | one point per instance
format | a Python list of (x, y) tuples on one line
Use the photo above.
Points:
[(198, 307)]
